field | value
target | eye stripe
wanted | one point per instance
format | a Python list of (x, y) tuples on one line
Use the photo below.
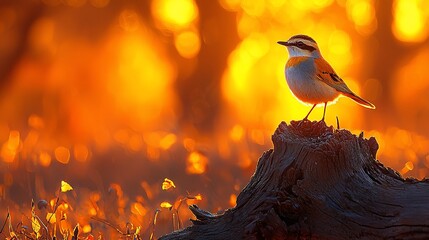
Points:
[(305, 46)]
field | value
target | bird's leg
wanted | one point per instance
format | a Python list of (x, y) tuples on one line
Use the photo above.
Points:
[(324, 111), (309, 112), (338, 123)]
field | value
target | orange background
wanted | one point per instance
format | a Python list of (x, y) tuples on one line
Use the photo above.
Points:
[(121, 94)]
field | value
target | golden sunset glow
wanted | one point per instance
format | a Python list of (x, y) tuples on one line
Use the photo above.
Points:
[(362, 13), (174, 14), (141, 77), (11, 147), (232, 200), (81, 152), (45, 159), (187, 44), (117, 98), (62, 154), (196, 163), (410, 20)]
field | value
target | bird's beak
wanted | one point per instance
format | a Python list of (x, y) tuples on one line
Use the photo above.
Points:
[(283, 43)]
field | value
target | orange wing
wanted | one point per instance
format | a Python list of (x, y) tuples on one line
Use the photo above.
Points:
[(326, 74)]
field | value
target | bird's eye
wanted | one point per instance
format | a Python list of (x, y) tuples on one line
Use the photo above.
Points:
[(300, 43)]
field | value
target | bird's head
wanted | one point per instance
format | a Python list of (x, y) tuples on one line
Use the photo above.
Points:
[(301, 45)]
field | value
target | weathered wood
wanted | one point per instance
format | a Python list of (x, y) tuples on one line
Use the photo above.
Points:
[(320, 183)]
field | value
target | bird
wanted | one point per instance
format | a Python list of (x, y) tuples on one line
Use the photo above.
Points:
[(311, 78)]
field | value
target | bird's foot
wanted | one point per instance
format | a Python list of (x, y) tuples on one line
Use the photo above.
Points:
[(309, 128), (303, 120)]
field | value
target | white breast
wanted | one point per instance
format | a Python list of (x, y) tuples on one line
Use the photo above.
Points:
[(304, 85)]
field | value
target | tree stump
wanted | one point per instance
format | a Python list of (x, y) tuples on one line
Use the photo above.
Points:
[(319, 183)]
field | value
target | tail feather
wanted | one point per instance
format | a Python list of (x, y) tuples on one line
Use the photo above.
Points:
[(344, 90), (359, 100)]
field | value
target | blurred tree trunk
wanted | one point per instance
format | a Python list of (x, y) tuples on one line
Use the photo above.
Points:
[(18, 18), (200, 92), (319, 183), (386, 57)]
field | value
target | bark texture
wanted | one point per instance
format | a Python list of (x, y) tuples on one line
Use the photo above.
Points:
[(319, 183)]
